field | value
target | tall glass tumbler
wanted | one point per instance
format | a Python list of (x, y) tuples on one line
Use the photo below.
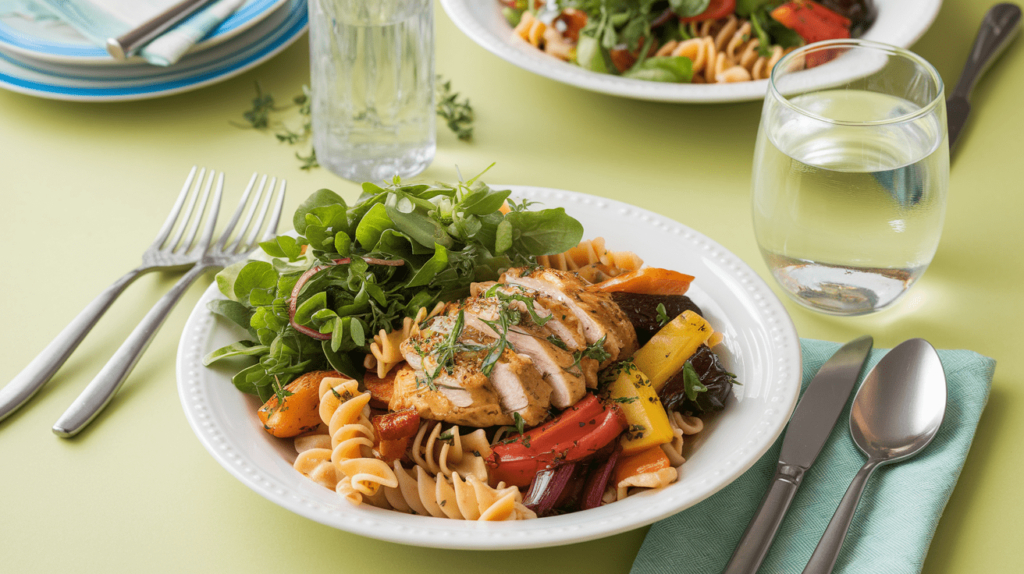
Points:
[(372, 76), (850, 174)]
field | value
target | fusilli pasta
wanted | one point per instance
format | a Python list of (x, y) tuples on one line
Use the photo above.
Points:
[(440, 496), (385, 352), (723, 51), (593, 261), (682, 425), (356, 472)]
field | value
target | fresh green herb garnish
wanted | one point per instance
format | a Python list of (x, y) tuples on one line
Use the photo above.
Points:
[(457, 114), (692, 382), (558, 342), (594, 351), (663, 318), (520, 423)]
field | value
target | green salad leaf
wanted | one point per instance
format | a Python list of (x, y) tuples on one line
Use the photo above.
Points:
[(446, 236), (663, 69)]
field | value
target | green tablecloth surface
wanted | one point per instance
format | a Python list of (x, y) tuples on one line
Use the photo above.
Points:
[(84, 186)]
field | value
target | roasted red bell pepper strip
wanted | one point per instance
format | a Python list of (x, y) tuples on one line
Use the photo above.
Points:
[(578, 432), (716, 9), (812, 21)]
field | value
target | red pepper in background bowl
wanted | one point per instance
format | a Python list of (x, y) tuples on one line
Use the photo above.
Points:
[(580, 431), (716, 9), (812, 21)]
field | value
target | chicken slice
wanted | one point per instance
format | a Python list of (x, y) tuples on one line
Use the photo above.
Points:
[(598, 315), (461, 392), (482, 409), (557, 366)]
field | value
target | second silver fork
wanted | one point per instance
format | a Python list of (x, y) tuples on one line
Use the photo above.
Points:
[(101, 390)]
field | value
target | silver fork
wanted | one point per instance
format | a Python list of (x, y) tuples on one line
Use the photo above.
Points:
[(101, 390), (162, 254)]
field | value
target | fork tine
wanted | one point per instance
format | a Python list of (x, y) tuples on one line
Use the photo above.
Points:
[(188, 212), (226, 234), (173, 215), (276, 217), (248, 216), (211, 220), (186, 244), (250, 242)]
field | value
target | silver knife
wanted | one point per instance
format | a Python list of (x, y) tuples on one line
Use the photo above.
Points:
[(1001, 24), (812, 422)]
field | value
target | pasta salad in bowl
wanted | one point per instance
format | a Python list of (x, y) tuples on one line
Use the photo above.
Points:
[(440, 395), (677, 50)]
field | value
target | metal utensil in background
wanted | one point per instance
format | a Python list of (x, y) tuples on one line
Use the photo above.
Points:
[(812, 422), (998, 28), (161, 255), (124, 46), (896, 414), (101, 390)]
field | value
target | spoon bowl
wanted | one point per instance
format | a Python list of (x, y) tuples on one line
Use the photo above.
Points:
[(900, 406), (895, 415)]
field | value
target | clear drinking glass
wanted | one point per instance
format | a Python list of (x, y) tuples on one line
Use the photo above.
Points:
[(850, 174), (372, 76)]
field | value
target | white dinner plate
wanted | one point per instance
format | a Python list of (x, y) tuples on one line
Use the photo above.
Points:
[(899, 22), (140, 81), (56, 41), (762, 349)]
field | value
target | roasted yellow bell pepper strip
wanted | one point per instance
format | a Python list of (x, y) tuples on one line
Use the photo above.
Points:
[(669, 349), (648, 422)]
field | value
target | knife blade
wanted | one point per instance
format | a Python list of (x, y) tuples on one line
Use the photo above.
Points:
[(1000, 25), (812, 422)]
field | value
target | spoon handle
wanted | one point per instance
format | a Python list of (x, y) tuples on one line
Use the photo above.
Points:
[(824, 557)]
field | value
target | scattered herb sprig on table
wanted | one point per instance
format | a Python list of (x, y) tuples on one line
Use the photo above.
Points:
[(457, 113), (446, 235)]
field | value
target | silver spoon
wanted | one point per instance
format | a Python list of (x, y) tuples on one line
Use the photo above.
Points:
[(896, 413)]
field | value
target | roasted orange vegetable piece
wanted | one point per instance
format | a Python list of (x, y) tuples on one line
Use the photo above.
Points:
[(380, 389), (643, 462), (298, 412), (648, 281)]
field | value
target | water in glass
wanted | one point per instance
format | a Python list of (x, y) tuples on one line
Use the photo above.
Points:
[(372, 76), (848, 214)]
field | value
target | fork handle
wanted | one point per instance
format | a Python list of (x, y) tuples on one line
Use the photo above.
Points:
[(32, 378), (97, 395)]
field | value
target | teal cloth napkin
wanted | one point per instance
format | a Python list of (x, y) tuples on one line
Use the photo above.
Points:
[(896, 518)]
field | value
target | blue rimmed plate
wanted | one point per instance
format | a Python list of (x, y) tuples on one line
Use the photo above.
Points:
[(46, 79), (57, 42)]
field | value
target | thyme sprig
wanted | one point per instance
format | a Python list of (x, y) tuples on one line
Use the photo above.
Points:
[(457, 113)]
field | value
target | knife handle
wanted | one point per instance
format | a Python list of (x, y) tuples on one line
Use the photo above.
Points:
[(757, 539), (999, 26)]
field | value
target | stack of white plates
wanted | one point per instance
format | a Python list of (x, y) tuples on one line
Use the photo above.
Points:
[(50, 60)]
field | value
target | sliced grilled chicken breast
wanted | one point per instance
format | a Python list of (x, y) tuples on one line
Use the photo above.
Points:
[(464, 398), (598, 315), (556, 366), (461, 391)]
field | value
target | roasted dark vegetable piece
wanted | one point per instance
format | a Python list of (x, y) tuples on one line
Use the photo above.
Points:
[(642, 310), (712, 375), (861, 13)]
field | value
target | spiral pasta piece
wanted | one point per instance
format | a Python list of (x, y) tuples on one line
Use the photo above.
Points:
[(530, 29), (593, 261), (420, 492), (385, 351), (723, 51), (448, 453), (681, 425), (343, 458)]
